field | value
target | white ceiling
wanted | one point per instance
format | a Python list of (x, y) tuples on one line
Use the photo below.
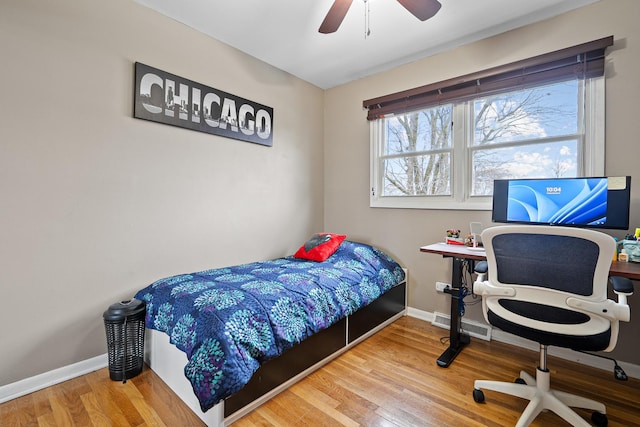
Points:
[(284, 33)]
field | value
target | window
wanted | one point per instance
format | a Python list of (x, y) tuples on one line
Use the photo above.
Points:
[(417, 153), (446, 155)]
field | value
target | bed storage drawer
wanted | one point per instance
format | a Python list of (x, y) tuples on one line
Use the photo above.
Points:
[(276, 371), (383, 308)]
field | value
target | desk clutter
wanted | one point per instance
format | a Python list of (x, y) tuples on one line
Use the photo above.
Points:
[(453, 237), (628, 249), (471, 239)]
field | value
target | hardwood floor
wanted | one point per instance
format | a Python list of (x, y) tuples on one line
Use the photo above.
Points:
[(391, 379), (95, 400)]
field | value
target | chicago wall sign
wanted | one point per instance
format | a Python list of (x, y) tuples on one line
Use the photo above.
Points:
[(166, 98)]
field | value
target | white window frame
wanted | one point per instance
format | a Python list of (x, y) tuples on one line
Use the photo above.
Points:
[(593, 156)]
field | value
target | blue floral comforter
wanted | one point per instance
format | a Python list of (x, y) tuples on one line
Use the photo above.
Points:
[(228, 321)]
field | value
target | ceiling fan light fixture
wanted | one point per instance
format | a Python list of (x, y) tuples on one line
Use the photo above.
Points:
[(334, 17), (421, 9)]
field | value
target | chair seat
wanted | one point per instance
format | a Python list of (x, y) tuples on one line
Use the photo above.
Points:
[(595, 342)]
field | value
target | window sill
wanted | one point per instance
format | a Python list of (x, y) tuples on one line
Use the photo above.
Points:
[(435, 203)]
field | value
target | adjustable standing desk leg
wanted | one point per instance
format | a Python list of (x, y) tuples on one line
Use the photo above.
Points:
[(457, 340)]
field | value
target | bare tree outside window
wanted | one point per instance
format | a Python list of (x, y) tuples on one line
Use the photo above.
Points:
[(419, 146), (527, 133)]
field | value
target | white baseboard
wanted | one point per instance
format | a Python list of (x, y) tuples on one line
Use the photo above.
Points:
[(427, 316), (632, 370), (47, 379)]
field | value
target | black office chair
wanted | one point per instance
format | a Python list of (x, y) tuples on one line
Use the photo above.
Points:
[(549, 284)]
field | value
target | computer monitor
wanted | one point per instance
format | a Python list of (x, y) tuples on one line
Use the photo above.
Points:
[(594, 202)]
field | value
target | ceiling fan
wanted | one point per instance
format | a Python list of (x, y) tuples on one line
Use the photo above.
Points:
[(421, 9)]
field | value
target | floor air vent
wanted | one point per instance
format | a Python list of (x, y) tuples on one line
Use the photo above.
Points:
[(474, 329)]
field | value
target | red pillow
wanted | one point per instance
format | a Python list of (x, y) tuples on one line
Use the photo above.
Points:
[(320, 246)]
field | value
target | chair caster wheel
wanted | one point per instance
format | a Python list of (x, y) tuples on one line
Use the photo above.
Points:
[(478, 395), (599, 419), (520, 381)]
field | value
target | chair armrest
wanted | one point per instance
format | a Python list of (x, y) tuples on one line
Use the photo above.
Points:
[(481, 267), (485, 288), (622, 285), (608, 309)]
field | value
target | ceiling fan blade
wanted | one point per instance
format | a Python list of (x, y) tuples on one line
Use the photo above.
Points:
[(421, 9), (335, 16)]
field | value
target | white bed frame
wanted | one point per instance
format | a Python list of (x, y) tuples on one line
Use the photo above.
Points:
[(168, 362)]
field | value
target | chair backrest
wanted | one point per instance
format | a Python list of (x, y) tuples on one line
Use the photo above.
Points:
[(552, 282)]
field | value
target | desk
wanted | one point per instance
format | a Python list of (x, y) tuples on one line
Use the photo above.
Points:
[(460, 253), (630, 270)]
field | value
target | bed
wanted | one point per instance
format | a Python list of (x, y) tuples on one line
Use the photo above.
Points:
[(227, 339)]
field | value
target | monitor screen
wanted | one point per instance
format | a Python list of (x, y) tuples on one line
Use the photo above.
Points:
[(600, 202)]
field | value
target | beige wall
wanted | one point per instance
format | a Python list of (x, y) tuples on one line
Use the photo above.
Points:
[(401, 232), (95, 204)]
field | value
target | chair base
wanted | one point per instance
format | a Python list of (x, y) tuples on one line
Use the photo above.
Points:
[(541, 398)]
